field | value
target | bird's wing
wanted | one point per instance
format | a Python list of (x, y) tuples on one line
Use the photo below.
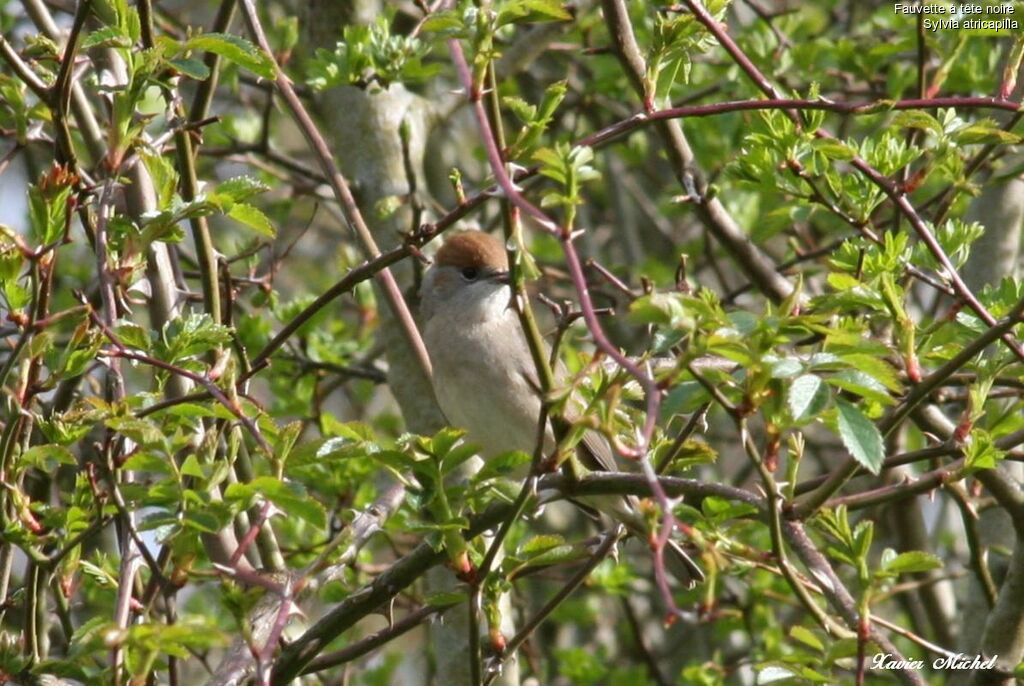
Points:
[(596, 453), (594, 450)]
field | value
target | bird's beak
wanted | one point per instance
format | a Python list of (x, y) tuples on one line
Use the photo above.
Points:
[(501, 277)]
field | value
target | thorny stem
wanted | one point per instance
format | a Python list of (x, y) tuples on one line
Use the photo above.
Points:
[(775, 500), (545, 377), (63, 84), (376, 640), (23, 71), (130, 560), (712, 213), (838, 596), (610, 539), (979, 555), (572, 258), (385, 586), (856, 108)]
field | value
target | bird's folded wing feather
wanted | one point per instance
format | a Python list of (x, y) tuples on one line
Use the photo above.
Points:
[(594, 450)]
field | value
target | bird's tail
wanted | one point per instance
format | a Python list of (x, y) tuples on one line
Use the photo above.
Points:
[(680, 565)]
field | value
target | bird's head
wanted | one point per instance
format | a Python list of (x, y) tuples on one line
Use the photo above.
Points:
[(469, 278)]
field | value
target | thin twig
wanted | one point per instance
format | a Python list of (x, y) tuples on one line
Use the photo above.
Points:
[(379, 638), (610, 539), (23, 71)]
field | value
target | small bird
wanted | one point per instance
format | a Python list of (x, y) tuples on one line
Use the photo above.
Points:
[(484, 376)]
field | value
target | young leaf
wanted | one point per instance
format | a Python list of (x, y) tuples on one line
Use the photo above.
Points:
[(289, 496), (253, 218), (913, 561), (860, 436), (241, 188), (235, 49), (808, 395)]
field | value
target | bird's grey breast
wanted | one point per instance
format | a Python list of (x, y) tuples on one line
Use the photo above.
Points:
[(481, 377)]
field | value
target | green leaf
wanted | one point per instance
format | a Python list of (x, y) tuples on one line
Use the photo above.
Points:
[(834, 149), (145, 461), (985, 132), (253, 218), (876, 367), (241, 188), (11, 262), (913, 561), (41, 343), (189, 410), (786, 368), (18, 296), (132, 335), (47, 457), (204, 521), (107, 37), (842, 281), (532, 10), (396, 460), (858, 382), (98, 575), (158, 519), (290, 496), (860, 436), (667, 309), (191, 336), (235, 49), (286, 440), (981, 452), (553, 555), (807, 637), (191, 67), (540, 544), (164, 175), (444, 440), (191, 467), (191, 634), (807, 396), (455, 457), (142, 431), (720, 510), (371, 57), (48, 211), (917, 119), (502, 465), (443, 21)]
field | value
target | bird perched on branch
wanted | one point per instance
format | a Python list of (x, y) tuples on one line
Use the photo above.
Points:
[(485, 379)]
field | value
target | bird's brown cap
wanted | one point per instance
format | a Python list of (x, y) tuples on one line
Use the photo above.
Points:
[(473, 249)]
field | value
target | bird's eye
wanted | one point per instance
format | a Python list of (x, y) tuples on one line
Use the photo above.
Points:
[(470, 273)]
